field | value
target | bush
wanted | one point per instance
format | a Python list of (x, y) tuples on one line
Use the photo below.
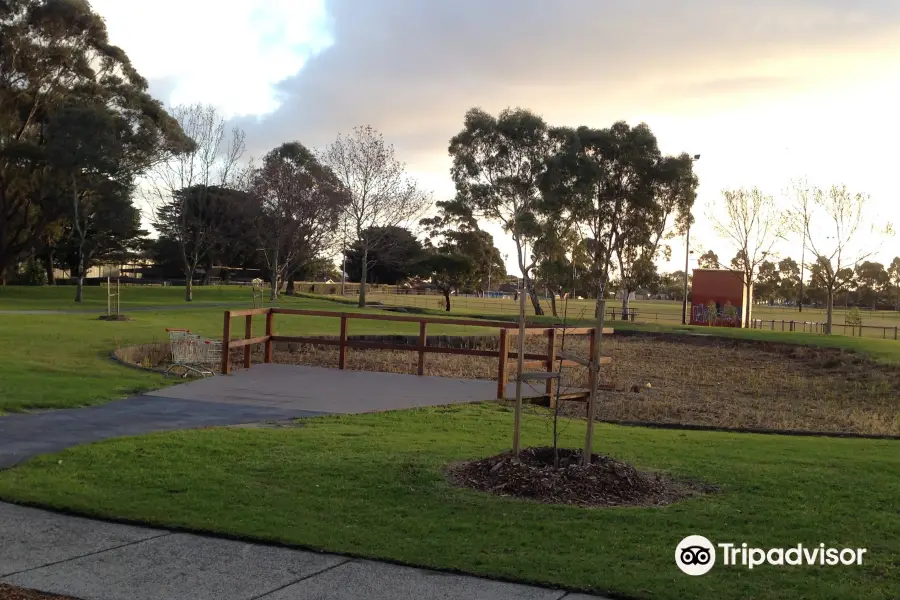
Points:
[(853, 317)]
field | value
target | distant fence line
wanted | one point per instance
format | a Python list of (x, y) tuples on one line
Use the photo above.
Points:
[(819, 327)]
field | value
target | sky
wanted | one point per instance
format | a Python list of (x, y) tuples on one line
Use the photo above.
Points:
[(765, 91)]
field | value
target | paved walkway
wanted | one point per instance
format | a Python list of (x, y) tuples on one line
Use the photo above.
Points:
[(319, 389), (266, 392), (95, 560)]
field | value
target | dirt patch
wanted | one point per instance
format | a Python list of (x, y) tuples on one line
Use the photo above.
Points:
[(534, 475), (8, 592), (693, 380)]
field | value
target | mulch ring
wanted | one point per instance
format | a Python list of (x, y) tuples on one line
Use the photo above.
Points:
[(606, 482), (7, 592)]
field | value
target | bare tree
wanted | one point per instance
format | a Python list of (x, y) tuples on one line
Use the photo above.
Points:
[(831, 222), (381, 194), (753, 223), (179, 190), (301, 203)]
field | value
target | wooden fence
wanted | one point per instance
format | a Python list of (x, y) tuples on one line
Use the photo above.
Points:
[(503, 354)]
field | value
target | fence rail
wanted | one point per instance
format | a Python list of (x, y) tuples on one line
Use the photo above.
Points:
[(819, 327), (503, 354)]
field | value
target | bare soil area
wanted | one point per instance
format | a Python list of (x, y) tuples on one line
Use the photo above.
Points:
[(692, 380)]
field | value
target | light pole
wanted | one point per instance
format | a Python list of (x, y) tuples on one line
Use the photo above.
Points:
[(687, 256)]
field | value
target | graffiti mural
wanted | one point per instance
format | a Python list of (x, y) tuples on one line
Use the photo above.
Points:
[(727, 316)]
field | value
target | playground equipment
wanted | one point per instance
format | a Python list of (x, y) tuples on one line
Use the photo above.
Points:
[(193, 353)]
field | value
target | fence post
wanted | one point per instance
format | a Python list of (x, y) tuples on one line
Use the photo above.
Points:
[(226, 342), (551, 355), (270, 317), (342, 353), (248, 333), (422, 341), (503, 359)]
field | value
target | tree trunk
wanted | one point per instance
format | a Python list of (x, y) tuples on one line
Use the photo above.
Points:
[(625, 294), (553, 303), (290, 288), (363, 275), (447, 299), (188, 282), (48, 267), (3, 271), (79, 286), (207, 272), (747, 289), (829, 309)]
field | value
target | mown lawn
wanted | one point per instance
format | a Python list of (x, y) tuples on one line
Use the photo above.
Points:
[(60, 361), (372, 485)]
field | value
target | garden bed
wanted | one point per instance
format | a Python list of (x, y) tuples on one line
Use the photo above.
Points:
[(558, 477)]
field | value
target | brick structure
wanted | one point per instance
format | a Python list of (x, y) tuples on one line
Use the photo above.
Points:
[(725, 289)]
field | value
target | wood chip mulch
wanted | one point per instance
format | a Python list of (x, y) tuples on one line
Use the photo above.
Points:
[(7, 592), (605, 482)]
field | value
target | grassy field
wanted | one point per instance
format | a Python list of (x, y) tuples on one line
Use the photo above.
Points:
[(372, 485), (57, 361), (652, 311)]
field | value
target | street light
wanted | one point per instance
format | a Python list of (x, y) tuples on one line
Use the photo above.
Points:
[(687, 256)]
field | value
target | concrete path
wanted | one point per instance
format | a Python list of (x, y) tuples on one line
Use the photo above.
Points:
[(23, 436), (95, 560), (266, 392), (295, 387)]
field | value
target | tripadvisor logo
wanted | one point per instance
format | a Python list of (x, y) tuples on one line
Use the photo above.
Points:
[(696, 555)]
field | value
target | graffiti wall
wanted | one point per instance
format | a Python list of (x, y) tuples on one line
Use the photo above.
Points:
[(717, 298)]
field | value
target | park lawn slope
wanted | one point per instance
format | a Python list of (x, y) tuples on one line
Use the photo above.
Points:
[(373, 485), (63, 361)]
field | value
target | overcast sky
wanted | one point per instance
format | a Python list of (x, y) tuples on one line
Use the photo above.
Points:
[(764, 90)]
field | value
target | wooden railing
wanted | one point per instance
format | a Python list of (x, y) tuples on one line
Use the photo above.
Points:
[(503, 354)]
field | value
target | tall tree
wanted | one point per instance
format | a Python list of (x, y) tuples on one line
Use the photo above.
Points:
[(301, 203), (498, 165), (52, 53), (753, 223), (603, 176), (182, 189), (450, 271), (709, 260), (450, 233), (832, 224), (382, 195), (768, 281), (872, 280), (673, 191), (894, 279), (396, 257), (789, 279)]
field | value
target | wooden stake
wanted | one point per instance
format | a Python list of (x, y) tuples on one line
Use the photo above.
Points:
[(520, 368), (594, 383)]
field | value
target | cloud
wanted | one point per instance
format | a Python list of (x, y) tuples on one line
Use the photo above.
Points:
[(227, 53), (412, 68)]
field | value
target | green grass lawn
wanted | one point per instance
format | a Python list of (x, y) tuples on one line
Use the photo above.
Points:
[(372, 485), (95, 297), (61, 361)]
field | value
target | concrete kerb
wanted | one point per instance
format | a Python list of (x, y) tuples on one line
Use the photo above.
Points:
[(272, 544)]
